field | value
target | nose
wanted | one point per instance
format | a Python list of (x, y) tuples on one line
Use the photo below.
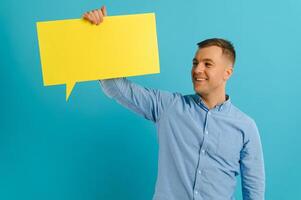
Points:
[(199, 68)]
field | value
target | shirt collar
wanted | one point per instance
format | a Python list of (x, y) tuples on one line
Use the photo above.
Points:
[(222, 107)]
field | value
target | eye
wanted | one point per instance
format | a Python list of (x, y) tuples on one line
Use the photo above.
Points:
[(208, 64), (195, 63)]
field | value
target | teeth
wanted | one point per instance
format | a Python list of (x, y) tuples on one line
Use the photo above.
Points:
[(200, 79)]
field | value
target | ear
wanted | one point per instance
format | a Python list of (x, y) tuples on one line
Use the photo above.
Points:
[(228, 72)]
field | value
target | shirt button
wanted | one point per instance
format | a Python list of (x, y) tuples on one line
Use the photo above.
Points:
[(203, 151), (206, 132), (200, 172), (196, 192), (209, 113)]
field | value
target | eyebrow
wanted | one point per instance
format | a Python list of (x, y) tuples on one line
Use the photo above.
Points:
[(205, 59)]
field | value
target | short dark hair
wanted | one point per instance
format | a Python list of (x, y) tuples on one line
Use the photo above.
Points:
[(227, 46)]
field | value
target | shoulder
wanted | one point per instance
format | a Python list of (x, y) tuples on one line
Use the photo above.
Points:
[(249, 127), (176, 100), (241, 115)]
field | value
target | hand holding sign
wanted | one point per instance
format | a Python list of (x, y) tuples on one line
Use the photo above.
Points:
[(96, 16), (75, 50)]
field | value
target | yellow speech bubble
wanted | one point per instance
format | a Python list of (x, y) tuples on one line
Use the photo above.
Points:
[(75, 50)]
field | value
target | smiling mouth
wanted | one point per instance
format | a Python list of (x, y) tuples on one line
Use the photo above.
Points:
[(200, 79)]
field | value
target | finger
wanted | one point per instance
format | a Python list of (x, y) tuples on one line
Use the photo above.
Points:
[(95, 12), (92, 17), (86, 16), (100, 15), (104, 10)]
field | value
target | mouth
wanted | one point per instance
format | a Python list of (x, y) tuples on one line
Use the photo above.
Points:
[(200, 79)]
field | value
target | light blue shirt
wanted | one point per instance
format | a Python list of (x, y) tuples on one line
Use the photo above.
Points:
[(201, 150)]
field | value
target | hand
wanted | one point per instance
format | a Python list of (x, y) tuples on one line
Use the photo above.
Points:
[(96, 16)]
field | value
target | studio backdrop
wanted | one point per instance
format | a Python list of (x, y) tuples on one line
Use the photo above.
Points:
[(92, 148)]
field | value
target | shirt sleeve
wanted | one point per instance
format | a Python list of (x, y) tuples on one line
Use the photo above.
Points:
[(147, 102), (252, 166)]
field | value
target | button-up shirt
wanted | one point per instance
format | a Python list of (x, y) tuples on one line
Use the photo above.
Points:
[(201, 150)]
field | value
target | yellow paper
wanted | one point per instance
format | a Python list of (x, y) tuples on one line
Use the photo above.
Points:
[(75, 50)]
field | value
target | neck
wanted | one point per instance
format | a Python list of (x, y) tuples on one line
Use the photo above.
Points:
[(214, 98)]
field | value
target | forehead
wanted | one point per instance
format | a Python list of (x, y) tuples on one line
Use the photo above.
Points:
[(214, 53)]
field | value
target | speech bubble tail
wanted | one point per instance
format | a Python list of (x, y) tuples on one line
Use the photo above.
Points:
[(69, 88)]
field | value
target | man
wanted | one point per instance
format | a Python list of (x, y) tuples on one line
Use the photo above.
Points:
[(204, 140)]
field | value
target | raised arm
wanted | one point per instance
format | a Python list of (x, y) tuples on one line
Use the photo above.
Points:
[(147, 102)]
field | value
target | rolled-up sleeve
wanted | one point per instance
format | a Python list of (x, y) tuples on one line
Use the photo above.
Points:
[(252, 165), (147, 102)]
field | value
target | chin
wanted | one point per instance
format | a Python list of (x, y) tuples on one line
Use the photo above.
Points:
[(200, 91)]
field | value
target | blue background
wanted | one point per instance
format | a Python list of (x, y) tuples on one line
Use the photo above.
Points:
[(92, 148)]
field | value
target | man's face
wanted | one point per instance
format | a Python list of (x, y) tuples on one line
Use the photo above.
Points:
[(210, 71)]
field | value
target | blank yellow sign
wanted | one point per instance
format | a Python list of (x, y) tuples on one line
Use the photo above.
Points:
[(75, 50)]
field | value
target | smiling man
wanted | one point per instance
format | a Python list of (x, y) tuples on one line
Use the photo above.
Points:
[(212, 67), (204, 140)]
